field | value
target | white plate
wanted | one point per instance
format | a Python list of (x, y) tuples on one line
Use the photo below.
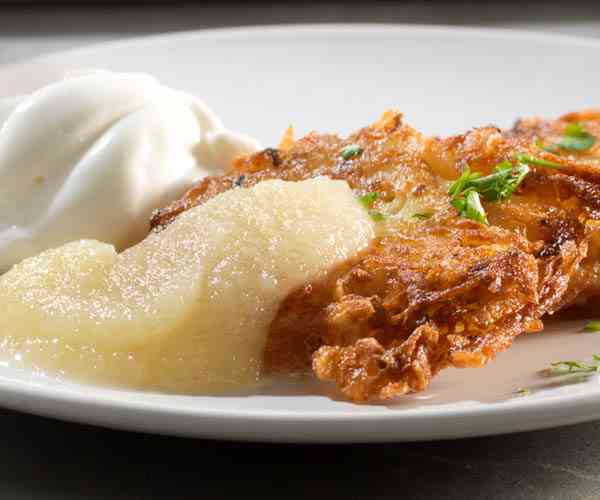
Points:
[(338, 78)]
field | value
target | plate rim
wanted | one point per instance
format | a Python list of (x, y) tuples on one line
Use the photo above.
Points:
[(317, 28)]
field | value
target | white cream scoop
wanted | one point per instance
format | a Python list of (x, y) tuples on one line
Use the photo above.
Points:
[(92, 155)]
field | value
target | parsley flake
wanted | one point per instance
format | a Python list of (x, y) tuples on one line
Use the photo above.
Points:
[(577, 143), (470, 206), (592, 326), (532, 160), (351, 151), (522, 391), (571, 366), (368, 199), (422, 215), (463, 181), (465, 192), (575, 139), (376, 216)]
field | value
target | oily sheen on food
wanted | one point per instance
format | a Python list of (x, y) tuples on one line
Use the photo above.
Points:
[(186, 310), (91, 156)]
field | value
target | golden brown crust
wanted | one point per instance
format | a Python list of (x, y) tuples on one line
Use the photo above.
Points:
[(390, 164), (444, 291), (547, 132), (556, 209), (412, 303)]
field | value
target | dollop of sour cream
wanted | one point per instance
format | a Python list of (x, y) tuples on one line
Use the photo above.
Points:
[(92, 155)]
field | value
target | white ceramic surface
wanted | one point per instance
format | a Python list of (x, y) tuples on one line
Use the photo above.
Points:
[(338, 78)]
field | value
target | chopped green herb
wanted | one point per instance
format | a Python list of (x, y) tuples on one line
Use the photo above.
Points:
[(502, 183), (368, 199), (522, 391), (574, 139), (532, 160), (574, 130), (377, 216), (570, 366), (499, 185), (463, 181), (577, 143), (422, 215), (351, 151), (592, 327), (470, 206)]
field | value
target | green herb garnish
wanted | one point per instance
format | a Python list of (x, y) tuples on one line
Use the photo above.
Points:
[(499, 185), (463, 182), (574, 139), (577, 143), (522, 391), (532, 160), (351, 151), (469, 206), (592, 327), (422, 215), (368, 199), (574, 129), (572, 366), (568, 366), (376, 216), (502, 183)]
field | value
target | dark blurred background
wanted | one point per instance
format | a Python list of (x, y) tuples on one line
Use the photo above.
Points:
[(28, 29)]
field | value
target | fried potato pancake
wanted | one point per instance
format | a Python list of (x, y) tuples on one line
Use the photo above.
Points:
[(434, 289), (556, 209)]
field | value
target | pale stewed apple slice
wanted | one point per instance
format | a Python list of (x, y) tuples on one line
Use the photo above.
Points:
[(187, 309)]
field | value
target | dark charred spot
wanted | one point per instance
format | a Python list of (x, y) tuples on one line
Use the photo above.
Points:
[(381, 364), (491, 127), (561, 231), (519, 124), (161, 218), (275, 156), (419, 190), (587, 192), (239, 182), (523, 128), (380, 317), (312, 343), (479, 267), (306, 290)]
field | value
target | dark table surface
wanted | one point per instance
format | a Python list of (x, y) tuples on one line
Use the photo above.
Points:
[(47, 459), (43, 458)]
